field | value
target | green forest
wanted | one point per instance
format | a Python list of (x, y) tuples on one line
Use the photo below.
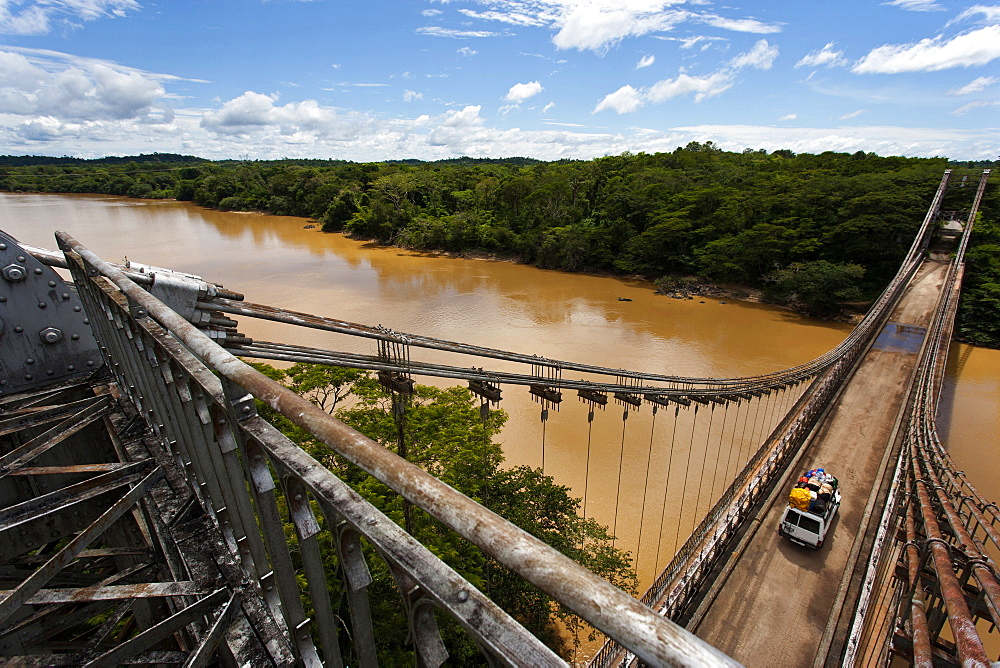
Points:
[(816, 232)]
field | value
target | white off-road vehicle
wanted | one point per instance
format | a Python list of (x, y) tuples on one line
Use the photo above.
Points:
[(809, 527)]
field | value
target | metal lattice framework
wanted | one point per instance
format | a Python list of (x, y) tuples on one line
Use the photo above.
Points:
[(199, 401)]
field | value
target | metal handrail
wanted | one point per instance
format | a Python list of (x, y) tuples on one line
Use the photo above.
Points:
[(601, 604)]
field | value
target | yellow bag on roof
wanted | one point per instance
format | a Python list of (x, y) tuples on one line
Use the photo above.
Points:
[(799, 498)]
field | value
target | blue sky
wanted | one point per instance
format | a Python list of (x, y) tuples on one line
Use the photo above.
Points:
[(374, 80)]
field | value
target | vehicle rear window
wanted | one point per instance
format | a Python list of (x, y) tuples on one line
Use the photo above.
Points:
[(792, 517), (809, 524)]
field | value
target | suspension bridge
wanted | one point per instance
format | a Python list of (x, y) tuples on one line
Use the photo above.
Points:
[(143, 500)]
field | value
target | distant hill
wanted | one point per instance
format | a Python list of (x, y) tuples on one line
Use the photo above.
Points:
[(27, 160)]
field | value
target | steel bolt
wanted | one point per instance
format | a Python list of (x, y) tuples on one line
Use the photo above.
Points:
[(14, 273), (38, 270), (51, 335), (20, 258), (463, 596), (3, 246), (52, 284)]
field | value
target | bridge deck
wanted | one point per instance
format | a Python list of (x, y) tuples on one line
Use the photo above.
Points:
[(775, 601)]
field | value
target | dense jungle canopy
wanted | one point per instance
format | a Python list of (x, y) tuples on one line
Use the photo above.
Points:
[(813, 231)]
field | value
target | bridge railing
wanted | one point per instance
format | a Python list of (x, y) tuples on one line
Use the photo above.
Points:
[(940, 568), (671, 592), (199, 401)]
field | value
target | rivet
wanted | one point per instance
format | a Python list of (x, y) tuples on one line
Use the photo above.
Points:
[(30, 360), (246, 409), (3, 299), (76, 308), (270, 588), (65, 295), (463, 596), (298, 497), (19, 329), (3, 247), (38, 270), (86, 321), (71, 367), (50, 372), (372, 521), (27, 376), (75, 337), (90, 362), (52, 284), (3, 381), (350, 548), (42, 304), (20, 258)]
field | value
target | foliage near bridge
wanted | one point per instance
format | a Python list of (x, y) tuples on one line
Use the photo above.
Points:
[(447, 435), (778, 221)]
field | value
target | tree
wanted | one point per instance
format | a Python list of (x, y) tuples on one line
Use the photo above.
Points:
[(450, 437), (820, 287)]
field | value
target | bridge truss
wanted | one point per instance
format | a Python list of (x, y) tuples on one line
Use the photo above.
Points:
[(192, 561)]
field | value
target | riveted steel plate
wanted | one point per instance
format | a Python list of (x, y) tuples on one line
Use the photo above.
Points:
[(45, 334)]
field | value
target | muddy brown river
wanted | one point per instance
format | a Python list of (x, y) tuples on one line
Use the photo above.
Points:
[(620, 466)]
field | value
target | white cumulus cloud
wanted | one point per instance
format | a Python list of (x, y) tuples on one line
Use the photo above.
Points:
[(36, 17), (789, 117), (411, 95), (986, 14), (598, 25), (645, 61), (623, 100), (39, 83), (916, 5), (702, 87), (825, 57), (520, 92), (628, 98), (974, 48), (760, 57), (977, 85)]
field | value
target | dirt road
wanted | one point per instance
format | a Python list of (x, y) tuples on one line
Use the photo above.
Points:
[(776, 601)]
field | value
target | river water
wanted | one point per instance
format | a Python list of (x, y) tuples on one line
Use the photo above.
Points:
[(619, 466)]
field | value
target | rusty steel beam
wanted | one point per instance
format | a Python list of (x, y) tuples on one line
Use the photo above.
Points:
[(617, 614), (18, 596), (34, 416), (116, 592), (963, 628), (149, 638), (923, 657), (57, 500)]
